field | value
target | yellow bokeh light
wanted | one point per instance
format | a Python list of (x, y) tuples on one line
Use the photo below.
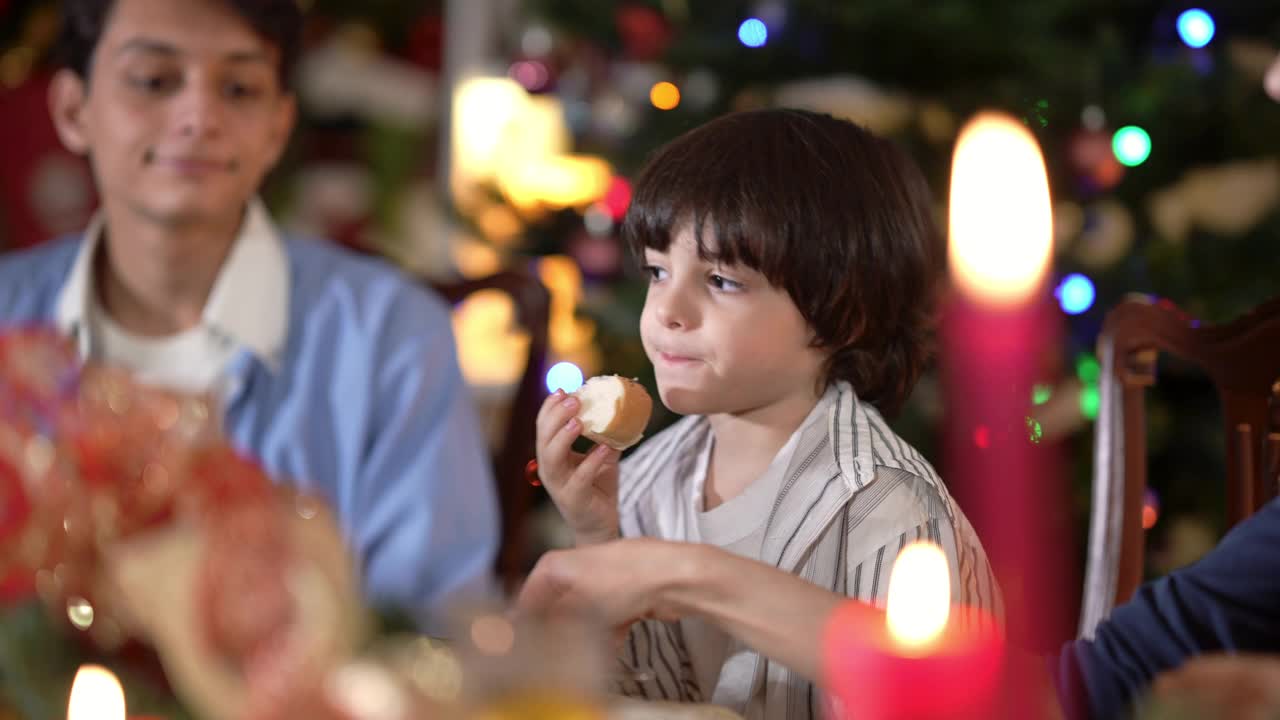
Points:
[(491, 345), (96, 695), (521, 142), (561, 181), (500, 224), (919, 598), (664, 95), (483, 110), (563, 280), (475, 259), (1001, 217)]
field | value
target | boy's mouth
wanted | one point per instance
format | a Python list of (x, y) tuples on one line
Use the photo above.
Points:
[(191, 164), (673, 359)]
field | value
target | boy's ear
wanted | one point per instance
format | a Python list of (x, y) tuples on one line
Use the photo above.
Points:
[(67, 96)]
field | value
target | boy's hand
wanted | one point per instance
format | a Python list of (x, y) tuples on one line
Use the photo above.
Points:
[(583, 487)]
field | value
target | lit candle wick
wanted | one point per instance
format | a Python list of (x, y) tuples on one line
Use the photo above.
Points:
[(1001, 217), (96, 695), (919, 599)]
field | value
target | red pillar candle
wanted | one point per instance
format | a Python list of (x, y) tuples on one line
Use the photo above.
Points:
[(998, 327), (920, 658)]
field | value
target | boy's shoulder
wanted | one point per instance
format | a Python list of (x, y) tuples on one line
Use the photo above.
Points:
[(31, 279), (327, 278), (863, 442), (681, 437), (659, 456)]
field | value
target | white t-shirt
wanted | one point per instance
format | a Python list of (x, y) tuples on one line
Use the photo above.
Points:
[(247, 309), (737, 526), (191, 361)]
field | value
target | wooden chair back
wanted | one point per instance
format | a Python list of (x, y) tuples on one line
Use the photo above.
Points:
[(1242, 359)]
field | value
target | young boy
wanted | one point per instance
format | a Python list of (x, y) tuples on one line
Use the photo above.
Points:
[(792, 261), (333, 370)]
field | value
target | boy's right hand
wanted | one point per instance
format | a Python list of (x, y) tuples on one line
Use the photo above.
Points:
[(583, 486)]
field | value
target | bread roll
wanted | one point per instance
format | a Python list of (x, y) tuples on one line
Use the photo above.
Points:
[(614, 410)]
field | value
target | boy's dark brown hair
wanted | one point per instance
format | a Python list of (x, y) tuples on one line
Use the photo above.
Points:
[(840, 219), (279, 22)]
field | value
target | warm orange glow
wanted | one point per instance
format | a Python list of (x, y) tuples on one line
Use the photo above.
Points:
[(1149, 517), (664, 95), (491, 346), (1001, 218), (96, 695), (919, 599), (563, 279), (499, 224), (561, 181), (484, 111)]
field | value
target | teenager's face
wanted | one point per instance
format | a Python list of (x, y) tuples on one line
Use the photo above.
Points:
[(182, 113), (722, 339)]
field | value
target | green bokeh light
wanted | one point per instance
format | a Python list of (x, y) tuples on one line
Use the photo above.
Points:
[(1132, 145), (1088, 369), (1035, 433), (1040, 394), (1090, 400)]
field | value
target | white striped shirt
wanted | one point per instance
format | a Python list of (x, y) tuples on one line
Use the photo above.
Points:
[(854, 495)]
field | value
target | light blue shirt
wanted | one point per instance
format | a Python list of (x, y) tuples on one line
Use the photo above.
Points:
[(360, 401)]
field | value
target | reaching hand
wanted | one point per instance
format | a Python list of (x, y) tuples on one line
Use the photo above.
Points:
[(583, 487), (619, 582), (1240, 687)]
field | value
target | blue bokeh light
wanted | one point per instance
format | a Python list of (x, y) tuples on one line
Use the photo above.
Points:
[(1075, 294), (1196, 27), (753, 32), (564, 376)]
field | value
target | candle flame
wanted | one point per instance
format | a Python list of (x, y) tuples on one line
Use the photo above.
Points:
[(96, 695), (919, 596), (1001, 217)]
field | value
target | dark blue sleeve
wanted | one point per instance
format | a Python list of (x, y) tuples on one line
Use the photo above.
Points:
[(1229, 601)]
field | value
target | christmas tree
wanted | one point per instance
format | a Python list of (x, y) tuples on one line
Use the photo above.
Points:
[(1158, 138)]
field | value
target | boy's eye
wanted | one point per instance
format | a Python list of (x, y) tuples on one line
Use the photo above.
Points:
[(721, 282), (242, 91), (654, 272), (154, 83)]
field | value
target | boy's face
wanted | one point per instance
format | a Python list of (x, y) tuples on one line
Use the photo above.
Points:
[(722, 339), (182, 114)]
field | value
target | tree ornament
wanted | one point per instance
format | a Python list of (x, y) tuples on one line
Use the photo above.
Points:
[(645, 32)]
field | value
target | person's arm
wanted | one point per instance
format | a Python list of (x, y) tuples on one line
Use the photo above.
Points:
[(777, 614), (427, 517), (1228, 601)]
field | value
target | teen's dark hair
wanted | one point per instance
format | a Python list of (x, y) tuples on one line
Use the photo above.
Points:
[(840, 219), (279, 22)]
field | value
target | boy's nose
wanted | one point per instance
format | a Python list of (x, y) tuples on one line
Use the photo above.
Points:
[(200, 112), (674, 311), (669, 320)]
